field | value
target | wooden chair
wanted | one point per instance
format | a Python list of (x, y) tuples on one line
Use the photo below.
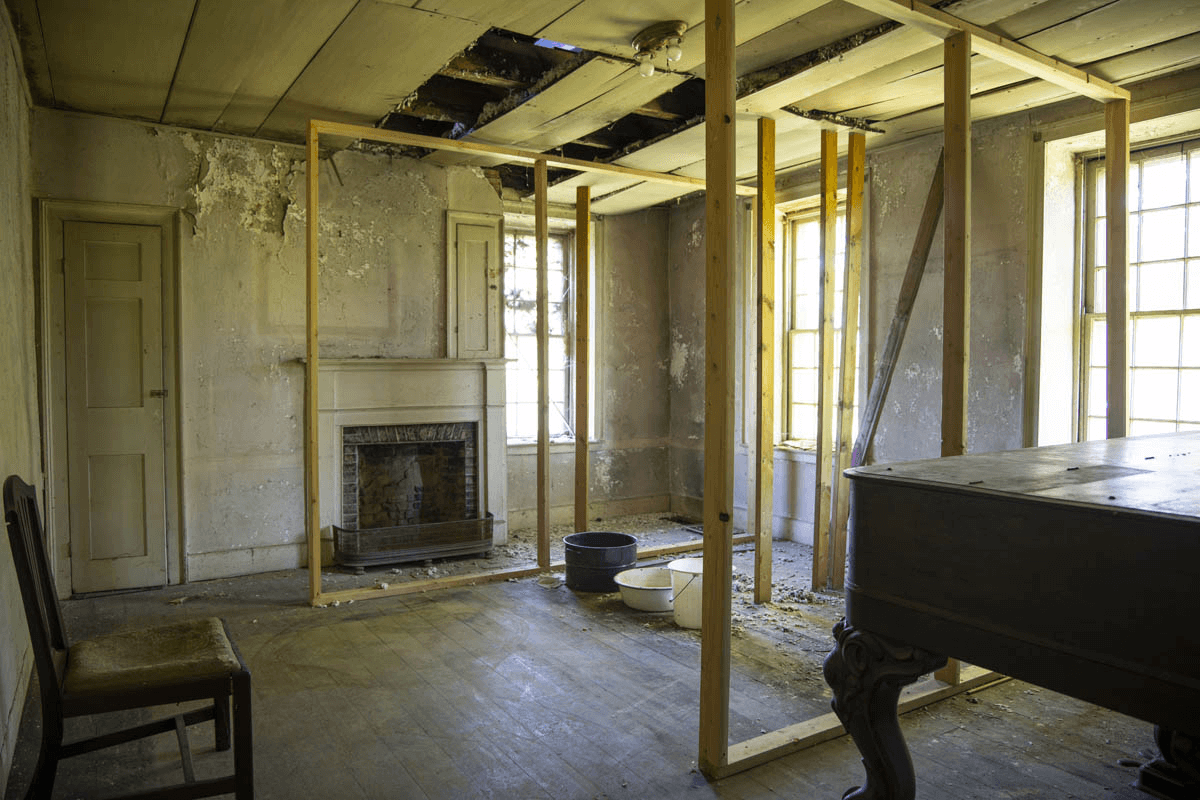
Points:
[(148, 666)]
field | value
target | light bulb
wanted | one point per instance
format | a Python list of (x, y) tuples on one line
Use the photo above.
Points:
[(645, 66), (674, 50)]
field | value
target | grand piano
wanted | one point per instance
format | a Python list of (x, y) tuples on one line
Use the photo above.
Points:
[(1075, 567)]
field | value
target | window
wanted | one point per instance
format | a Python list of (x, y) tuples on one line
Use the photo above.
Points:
[(802, 276), (1164, 292), (520, 326)]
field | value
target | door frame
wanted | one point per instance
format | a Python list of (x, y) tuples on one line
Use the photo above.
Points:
[(51, 216)]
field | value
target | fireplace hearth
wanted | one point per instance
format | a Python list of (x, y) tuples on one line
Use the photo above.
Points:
[(409, 493)]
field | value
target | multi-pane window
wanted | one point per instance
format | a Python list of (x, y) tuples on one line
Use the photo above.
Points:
[(1163, 288), (520, 326), (803, 288)]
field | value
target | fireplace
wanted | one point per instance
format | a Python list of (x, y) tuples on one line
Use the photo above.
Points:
[(413, 459), (409, 492)]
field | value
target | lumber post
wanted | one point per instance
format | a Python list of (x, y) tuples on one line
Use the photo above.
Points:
[(719, 242), (1116, 296), (312, 486), (583, 317), (956, 288), (763, 444), (543, 366), (855, 178), (904, 306), (823, 493)]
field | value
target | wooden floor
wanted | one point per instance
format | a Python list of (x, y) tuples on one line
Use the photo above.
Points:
[(523, 690)]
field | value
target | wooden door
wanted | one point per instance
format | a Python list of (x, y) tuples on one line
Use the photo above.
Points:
[(115, 403)]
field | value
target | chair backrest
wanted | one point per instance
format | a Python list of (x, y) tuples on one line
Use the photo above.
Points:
[(42, 610)]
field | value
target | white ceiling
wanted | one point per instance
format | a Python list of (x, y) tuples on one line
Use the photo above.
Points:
[(264, 67)]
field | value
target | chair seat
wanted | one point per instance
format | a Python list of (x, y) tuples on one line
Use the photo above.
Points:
[(150, 658)]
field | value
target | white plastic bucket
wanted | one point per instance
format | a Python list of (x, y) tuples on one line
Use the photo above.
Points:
[(687, 575)]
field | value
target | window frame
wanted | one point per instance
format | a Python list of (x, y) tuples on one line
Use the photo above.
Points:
[(566, 236), (1092, 357)]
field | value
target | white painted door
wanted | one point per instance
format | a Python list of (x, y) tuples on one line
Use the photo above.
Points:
[(115, 398)]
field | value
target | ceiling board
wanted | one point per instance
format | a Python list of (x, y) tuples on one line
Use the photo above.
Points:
[(599, 92), (115, 57), (376, 58), (526, 18), (601, 184), (1167, 57), (241, 57), (795, 35), (1042, 16), (638, 197), (608, 26), (1119, 27)]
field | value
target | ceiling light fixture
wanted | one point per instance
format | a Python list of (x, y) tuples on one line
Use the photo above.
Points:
[(664, 37)]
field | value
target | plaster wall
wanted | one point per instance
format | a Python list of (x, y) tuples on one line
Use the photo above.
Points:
[(240, 305), (629, 454), (19, 438)]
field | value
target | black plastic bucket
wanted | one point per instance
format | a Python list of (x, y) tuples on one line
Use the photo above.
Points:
[(595, 557)]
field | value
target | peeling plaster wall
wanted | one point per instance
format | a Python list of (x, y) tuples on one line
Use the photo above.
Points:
[(628, 471), (20, 450), (910, 423), (241, 299)]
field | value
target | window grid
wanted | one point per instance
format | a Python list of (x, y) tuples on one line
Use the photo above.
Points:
[(520, 327), (802, 356), (1163, 288)]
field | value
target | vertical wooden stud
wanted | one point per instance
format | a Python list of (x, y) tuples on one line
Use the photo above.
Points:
[(719, 240), (312, 487), (763, 467), (543, 366), (956, 289), (823, 493), (855, 179), (583, 213), (1116, 315)]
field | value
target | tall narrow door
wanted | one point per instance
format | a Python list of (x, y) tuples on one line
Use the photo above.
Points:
[(115, 398)]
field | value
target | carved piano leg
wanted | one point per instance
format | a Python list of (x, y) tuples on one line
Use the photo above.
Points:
[(1175, 775), (866, 672)]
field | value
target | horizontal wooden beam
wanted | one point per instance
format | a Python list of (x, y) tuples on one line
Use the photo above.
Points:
[(775, 744), (328, 128), (996, 47)]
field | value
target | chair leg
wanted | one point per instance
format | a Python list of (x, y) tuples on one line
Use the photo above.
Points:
[(47, 765), (221, 721), (243, 738)]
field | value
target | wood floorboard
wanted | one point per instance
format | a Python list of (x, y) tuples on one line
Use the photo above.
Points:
[(520, 690)]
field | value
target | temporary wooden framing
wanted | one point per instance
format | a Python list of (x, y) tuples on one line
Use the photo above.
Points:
[(542, 228), (762, 514), (823, 493), (856, 157), (583, 321), (317, 129), (719, 238), (715, 690)]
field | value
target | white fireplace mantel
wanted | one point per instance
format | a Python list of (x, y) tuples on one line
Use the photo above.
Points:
[(410, 391)]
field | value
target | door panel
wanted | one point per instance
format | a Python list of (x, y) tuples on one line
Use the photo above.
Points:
[(115, 437)]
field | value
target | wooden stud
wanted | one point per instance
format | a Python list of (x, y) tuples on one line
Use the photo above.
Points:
[(855, 177), (904, 306), (763, 448), (510, 153), (1116, 297), (720, 237), (823, 494), (543, 365), (583, 213), (312, 487), (956, 289)]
